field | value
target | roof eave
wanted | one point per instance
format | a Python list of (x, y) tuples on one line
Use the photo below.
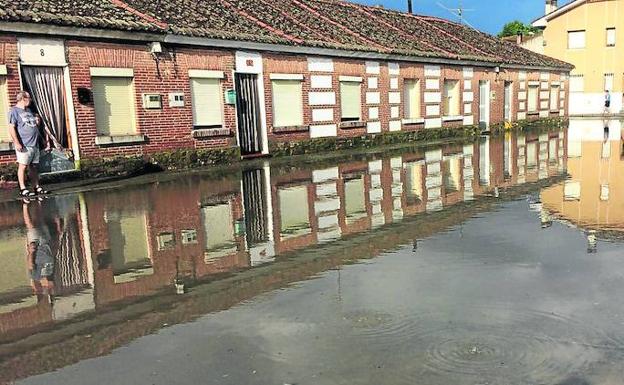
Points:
[(109, 34)]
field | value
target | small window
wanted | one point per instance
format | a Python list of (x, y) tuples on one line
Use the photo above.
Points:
[(554, 98), (411, 94), (350, 101), (207, 102), (4, 110), (532, 98), (608, 82), (610, 37), (451, 98), (287, 103), (114, 102), (577, 83), (576, 39)]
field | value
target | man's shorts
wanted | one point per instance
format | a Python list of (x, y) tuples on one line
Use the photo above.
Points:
[(30, 155)]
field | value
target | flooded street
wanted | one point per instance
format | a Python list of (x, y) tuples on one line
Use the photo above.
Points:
[(494, 262)]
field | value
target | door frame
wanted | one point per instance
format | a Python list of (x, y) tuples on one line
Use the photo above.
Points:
[(485, 118), (251, 63), (25, 59), (508, 101)]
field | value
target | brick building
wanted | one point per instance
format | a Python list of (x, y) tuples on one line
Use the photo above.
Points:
[(134, 77)]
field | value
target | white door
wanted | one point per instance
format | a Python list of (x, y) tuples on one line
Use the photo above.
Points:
[(484, 103), (508, 96)]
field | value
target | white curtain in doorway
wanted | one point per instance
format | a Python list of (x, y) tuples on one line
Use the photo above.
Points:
[(46, 87)]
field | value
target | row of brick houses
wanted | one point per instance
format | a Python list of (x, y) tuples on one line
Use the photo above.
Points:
[(135, 77)]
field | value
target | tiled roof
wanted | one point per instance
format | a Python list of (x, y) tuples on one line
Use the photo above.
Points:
[(313, 23), (83, 13)]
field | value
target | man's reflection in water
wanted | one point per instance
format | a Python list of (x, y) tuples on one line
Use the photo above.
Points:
[(40, 258)]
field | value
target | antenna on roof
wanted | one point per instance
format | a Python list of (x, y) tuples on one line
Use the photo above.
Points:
[(459, 12)]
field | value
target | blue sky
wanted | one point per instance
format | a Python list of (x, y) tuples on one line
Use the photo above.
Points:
[(488, 15)]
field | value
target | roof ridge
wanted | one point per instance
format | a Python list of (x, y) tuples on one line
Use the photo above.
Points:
[(122, 4), (353, 33), (261, 23), (357, 6)]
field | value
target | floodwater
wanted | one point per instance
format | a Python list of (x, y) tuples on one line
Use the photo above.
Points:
[(494, 262)]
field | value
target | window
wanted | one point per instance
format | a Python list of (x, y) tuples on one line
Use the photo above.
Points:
[(355, 202), (287, 103), (571, 190), (113, 98), (608, 82), (577, 83), (576, 39), (294, 211), (207, 102), (219, 235), (610, 37), (554, 98), (4, 110), (411, 95), (350, 100), (532, 98), (451, 98)]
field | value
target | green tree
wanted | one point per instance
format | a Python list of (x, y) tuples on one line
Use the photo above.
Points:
[(516, 27)]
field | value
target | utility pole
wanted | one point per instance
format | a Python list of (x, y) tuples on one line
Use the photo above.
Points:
[(409, 6)]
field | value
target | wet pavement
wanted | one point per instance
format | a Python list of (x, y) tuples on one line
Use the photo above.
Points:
[(494, 262)]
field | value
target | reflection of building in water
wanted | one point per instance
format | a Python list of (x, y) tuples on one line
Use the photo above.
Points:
[(139, 241), (596, 168), (65, 282), (258, 215)]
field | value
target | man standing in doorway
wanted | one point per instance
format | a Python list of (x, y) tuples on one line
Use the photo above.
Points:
[(24, 130)]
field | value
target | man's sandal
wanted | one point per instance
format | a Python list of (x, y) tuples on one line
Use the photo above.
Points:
[(26, 193), (40, 191)]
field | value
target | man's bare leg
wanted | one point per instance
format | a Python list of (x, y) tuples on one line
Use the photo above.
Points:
[(21, 175), (34, 175)]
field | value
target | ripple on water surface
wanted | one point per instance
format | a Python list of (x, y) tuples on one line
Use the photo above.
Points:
[(489, 344)]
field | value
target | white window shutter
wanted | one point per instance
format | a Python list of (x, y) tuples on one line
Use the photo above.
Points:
[(287, 103), (207, 102), (350, 100), (113, 98), (412, 98), (4, 110), (576, 39), (577, 83)]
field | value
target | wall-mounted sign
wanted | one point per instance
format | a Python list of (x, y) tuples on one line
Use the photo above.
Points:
[(42, 52), (230, 96)]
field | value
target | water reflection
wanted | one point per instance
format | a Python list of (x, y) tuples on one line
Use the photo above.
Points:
[(590, 198), (86, 253)]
